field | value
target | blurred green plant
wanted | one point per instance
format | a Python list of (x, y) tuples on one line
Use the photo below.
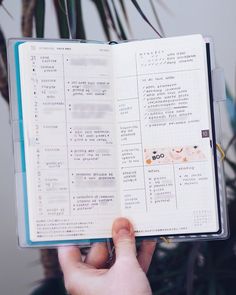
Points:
[(205, 268)]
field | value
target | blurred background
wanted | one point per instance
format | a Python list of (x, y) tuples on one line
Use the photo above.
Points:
[(213, 270)]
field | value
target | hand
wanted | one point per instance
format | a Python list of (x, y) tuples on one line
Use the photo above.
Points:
[(126, 276)]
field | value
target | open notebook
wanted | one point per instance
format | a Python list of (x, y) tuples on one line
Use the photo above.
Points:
[(115, 130)]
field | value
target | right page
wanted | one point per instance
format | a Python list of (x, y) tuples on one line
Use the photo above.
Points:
[(167, 166)]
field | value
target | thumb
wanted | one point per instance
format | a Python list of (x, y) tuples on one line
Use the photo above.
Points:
[(123, 238)]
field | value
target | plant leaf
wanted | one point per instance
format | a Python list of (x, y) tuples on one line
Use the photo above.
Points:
[(71, 11), (50, 263), (3, 68), (80, 30), (165, 7), (102, 14), (212, 286), (190, 267), (122, 4), (28, 8), (157, 18), (3, 49), (231, 108), (110, 15), (6, 10), (231, 164), (230, 143), (62, 20), (122, 32), (144, 16), (39, 15)]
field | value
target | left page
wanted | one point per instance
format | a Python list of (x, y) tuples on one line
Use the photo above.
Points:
[(68, 118)]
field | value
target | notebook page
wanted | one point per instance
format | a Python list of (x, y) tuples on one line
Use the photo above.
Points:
[(167, 164), (68, 113)]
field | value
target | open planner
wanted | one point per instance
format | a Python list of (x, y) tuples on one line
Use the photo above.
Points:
[(106, 130)]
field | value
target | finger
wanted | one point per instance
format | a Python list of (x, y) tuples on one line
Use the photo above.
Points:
[(98, 255), (123, 238), (69, 258), (145, 254)]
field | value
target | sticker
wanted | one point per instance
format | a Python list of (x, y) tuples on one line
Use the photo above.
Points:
[(173, 155)]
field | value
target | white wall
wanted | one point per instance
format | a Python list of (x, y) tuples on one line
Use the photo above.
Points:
[(18, 268)]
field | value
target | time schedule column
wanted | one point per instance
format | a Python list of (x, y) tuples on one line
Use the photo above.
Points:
[(49, 135)]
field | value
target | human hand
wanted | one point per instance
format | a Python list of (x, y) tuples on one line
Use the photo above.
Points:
[(125, 277)]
